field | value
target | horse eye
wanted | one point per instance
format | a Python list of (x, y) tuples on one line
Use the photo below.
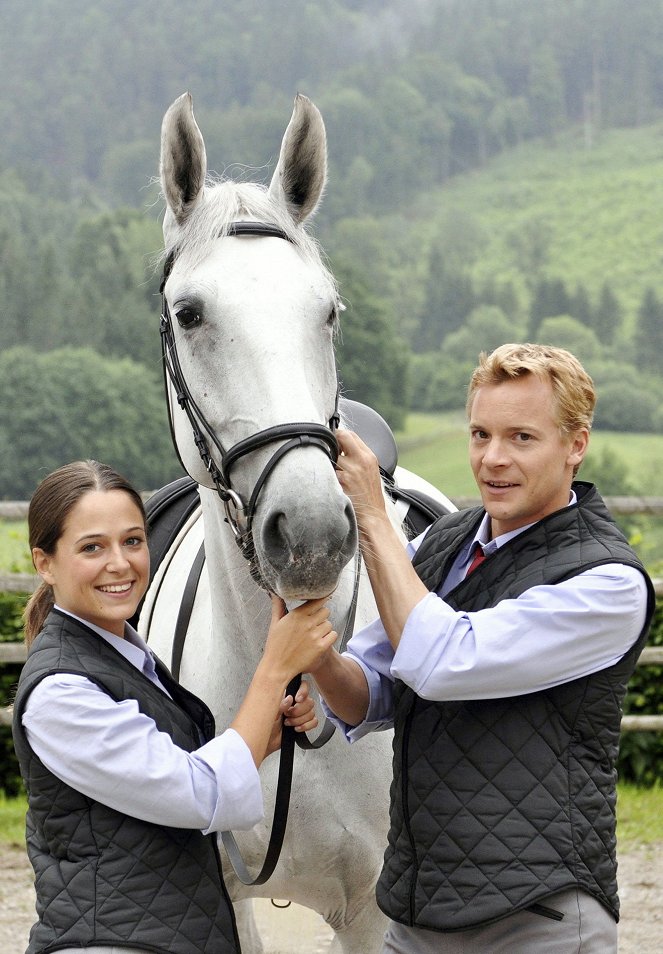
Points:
[(188, 317), (332, 317)]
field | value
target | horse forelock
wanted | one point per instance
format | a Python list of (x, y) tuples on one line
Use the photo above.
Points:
[(226, 202)]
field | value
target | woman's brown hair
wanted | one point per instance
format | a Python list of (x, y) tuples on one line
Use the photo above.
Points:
[(51, 504)]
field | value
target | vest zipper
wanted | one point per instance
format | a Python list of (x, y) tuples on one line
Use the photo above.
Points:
[(406, 810)]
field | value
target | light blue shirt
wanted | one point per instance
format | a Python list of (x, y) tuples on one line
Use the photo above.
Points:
[(549, 635), (113, 753)]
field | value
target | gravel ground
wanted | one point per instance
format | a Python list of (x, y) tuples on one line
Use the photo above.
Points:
[(297, 930)]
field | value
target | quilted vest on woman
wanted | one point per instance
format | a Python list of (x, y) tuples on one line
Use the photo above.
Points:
[(102, 877), (498, 803)]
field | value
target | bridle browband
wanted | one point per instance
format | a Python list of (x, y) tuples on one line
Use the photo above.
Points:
[(239, 515)]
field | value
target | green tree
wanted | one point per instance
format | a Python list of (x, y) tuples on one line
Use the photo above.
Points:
[(626, 395), (550, 298), (372, 361), (608, 470), (438, 382), (546, 93), (607, 317), (648, 337), (529, 243), (623, 407), (486, 328), (580, 307), (116, 299), (449, 298), (72, 403), (562, 331)]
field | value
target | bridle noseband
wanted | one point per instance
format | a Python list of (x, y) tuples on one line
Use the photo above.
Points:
[(239, 514)]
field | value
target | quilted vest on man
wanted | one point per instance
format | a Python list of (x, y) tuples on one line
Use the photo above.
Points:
[(498, 803), (102, 877)]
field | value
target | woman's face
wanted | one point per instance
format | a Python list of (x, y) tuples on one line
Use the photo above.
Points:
[(100, 568)]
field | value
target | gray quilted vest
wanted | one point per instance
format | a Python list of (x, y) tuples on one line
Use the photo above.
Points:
[(498, 803), (103, 877)]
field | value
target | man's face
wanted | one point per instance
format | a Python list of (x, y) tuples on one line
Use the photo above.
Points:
[(522, 463)]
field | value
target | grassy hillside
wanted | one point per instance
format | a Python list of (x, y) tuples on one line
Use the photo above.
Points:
[(565, 210)]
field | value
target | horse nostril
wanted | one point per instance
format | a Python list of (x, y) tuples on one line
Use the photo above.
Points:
[(349, 512), (275, 536)]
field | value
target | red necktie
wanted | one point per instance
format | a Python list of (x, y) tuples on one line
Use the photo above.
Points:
[(479, 557)]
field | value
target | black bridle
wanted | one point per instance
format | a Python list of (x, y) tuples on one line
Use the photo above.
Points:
[(239, 514)]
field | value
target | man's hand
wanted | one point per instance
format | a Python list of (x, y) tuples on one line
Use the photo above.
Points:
[(358, 473), (299, 713)]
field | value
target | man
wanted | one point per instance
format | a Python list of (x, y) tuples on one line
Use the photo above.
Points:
[(504, 684)]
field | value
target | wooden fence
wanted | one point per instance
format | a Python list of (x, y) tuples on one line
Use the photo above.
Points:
[(621, 506)]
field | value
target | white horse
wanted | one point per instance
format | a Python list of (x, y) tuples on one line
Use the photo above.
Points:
[(253, 321)]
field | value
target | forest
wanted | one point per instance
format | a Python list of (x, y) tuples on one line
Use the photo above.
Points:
[(495, 173)]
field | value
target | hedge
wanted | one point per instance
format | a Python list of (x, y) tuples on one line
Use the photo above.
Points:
[(641, 753), (11, 630), (640, 757)]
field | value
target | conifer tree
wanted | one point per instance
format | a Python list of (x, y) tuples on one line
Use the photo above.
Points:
[(648, 337)]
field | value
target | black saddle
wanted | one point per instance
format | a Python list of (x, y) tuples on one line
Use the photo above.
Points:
[(374, 431)]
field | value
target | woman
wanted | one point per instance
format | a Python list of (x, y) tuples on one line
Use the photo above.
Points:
[(126, 782)]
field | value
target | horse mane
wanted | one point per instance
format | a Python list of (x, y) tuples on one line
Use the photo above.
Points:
[(224, 202)]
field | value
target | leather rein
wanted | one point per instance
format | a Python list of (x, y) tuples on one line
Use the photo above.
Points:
[(239, 516)]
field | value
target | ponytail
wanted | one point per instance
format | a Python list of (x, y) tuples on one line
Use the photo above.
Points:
[(37, 609)]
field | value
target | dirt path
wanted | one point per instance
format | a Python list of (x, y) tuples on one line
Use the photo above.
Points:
[(296, 930)]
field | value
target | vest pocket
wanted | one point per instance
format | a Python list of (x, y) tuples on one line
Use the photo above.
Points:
[(546, 912)]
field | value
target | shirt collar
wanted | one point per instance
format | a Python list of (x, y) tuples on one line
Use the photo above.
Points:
[(482, 536), (132, 646)]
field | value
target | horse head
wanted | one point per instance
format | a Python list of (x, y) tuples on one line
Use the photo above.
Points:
[(250, 314)]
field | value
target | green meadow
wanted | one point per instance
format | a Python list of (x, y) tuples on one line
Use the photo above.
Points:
[(14, 550), (591, 214)]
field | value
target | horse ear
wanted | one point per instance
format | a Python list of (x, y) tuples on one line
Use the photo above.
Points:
[(301, 172), (183, 164)]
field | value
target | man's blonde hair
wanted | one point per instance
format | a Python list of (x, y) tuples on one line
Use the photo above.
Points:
[(572, 386)]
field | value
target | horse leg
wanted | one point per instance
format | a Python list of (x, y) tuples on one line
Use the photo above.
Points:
[(363, 933), (246, 927)]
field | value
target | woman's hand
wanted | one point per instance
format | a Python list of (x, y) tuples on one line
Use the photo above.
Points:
[(296, 643), (300, 715), (299, 640)]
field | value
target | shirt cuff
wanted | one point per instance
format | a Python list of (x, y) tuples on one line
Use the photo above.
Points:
[(239, 804), (379, 715)]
